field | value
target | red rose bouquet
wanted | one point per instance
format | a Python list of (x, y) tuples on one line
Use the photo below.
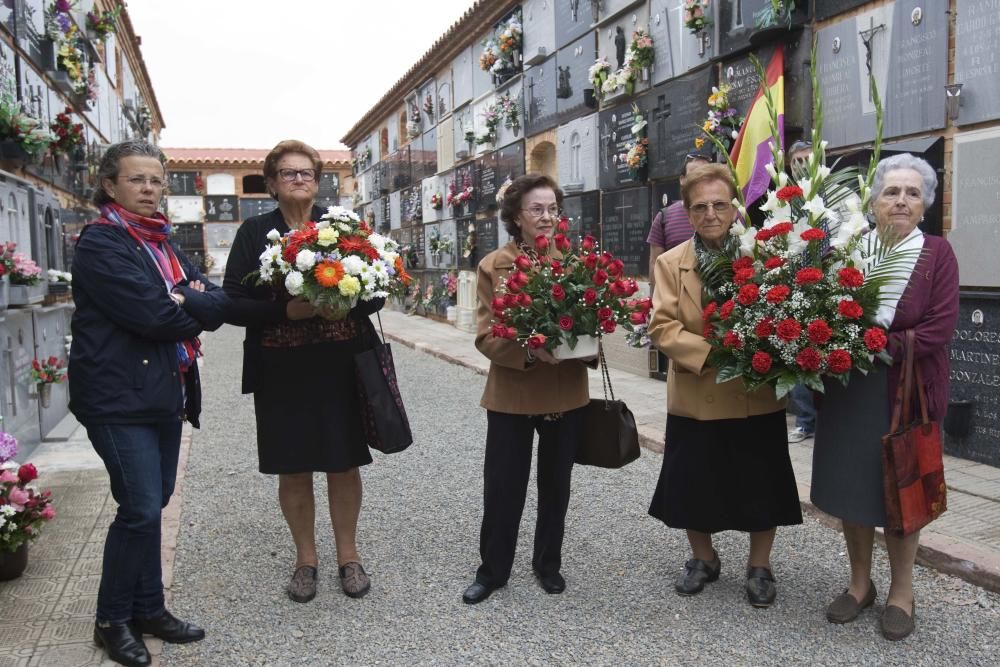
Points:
[(549, 301)]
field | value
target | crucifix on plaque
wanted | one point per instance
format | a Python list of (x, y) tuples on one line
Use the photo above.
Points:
[(662, 114), (867, 37), (574, 8), (532, 104), (607, 146), (35, 100), (183, 178)]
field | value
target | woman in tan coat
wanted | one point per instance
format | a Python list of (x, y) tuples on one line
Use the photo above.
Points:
[(526, 391), (726, 465)]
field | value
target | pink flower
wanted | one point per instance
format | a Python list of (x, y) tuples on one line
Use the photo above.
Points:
[(18, 497), (48, 513), (7, 477)]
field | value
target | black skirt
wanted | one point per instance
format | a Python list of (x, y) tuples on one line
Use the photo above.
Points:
[(727, 474), (308, 409)]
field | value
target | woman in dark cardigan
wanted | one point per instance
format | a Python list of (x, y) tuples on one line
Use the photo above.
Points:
[(847, 466), (300, 369)]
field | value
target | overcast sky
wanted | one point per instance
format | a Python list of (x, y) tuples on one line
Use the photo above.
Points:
[(249, 73)]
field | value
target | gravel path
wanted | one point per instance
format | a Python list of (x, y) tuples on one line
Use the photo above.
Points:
[(419, 538)]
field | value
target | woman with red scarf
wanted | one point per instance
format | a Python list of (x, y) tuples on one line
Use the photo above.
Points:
[(140, 305)]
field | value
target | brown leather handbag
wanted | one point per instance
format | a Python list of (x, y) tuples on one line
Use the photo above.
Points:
[(912, 457), (610, 437)]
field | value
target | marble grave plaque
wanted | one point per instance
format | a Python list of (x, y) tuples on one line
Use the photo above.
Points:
[(977, 60), (613, 39), (677, 109), (506, 135), (827, 8), (509, 162), (250, 206), (222, 208), (615, 135), (539, 30), (461, 72), (625, 225), (572, 66), (738, 19), (576, 153), (395, 210), (446, 144), (584, 213), (573, 19), (486, 187), (975, 213), (540, 101), (677, 50)]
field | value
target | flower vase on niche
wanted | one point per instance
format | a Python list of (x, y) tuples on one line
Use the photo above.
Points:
[(13, 563), (45, 394), (589, 98), (644, 73), (4, 292)]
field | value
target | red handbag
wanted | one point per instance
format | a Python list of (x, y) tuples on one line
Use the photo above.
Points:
[(912, 457)]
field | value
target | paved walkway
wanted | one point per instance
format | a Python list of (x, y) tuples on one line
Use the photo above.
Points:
[(964, 541)]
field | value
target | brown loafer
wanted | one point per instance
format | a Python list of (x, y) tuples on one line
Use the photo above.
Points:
[(354, 580), (896, 623), (845, 608), (302, 587)]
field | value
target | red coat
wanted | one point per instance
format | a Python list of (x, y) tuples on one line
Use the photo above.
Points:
[(929, 306)]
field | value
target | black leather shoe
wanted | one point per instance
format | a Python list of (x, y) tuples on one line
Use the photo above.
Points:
[(761, 590), (551, 583), (169, 628), (697, 573), (122, 645), (476, 593)]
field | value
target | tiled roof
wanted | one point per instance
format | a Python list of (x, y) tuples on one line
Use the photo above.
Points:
[(244, 156)]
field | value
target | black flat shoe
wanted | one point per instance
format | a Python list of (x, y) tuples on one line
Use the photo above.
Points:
[(553, 584), (476, 593), (697, 573), (761, 590), (169, 628), (122, 645)]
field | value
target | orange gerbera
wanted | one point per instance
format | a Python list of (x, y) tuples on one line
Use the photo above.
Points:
[(329, 272), (401, 272)]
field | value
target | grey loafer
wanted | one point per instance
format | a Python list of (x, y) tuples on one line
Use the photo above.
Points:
[(845, 608)]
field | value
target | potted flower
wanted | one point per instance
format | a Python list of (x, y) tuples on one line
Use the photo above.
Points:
[(26, 286), (641, 52), (23, 138), (101, 24), (68, 135), (59, 281), (23, 510), (46, 373), (565, 301)]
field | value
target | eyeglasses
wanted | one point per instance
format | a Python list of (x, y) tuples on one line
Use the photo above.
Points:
[(289, 175), (538, 211), (696, 156), (717, 206), (139, 181), (799, 145)]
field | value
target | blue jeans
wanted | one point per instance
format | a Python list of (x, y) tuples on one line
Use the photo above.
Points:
[(142, 462), (802, 405)]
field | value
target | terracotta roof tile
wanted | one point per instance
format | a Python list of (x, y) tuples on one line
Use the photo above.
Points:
[(240, 155)]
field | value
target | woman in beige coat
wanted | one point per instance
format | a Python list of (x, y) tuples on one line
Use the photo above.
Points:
[(526, 391), (726, 465)]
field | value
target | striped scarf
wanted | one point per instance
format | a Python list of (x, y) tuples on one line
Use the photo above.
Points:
[(151, 234)]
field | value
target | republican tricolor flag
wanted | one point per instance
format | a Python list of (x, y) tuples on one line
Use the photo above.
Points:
[(752, 150)]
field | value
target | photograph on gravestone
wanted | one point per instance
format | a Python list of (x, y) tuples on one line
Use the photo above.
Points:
[(539, 30), (250, 207), (573, 64), (972, 425), (486, 182), (614, 140), (540, 90), (625, 225), (573, 19), (576, 154), (221, 208), (584, 213), (977, 63), (329, 184), (743, 23), (676, 49), (975, 201), (829, 8)]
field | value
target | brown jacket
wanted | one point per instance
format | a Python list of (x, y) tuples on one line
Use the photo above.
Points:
[(676, 330), (513, 386)]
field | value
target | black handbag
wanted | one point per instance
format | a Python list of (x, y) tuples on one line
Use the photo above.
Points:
[(382, 413), (610, 437)]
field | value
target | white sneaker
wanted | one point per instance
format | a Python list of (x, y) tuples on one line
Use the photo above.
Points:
[(798, 434)]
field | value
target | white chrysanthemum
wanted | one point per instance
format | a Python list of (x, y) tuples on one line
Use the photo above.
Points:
[(349, 286), (305, 260), (293, 283), (273, 236), (381, 271), (266, 272), (353, 264), (378, 241), (322, 224), (343, 226)]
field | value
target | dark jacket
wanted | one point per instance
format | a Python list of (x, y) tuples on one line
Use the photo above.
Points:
[(256, 306), (123, 361), (929, 306)]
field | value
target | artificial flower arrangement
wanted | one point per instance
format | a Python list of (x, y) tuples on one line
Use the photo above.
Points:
[(413, 124), (456, 198), (70, 58), (500, 53), (696, 15), (68, 134), (24, 270), (488, 58), (361, 158), (723, 120), (795, 300), (440, 244), (549, 301), (598, 75), (334, 263), (7, 257), (509, 112), (491, 119), (469, 245), (641, 49), (48, 371), (23, 508), (636, 154), (437, 201), (57, 276), (58, 19), (103, 23), (16, 125), (446, 290)]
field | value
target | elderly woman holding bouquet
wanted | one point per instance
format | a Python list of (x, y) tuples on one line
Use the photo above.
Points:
[(140, 305), (847, 481), (527, 390), (298, 362), (726, 464)]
